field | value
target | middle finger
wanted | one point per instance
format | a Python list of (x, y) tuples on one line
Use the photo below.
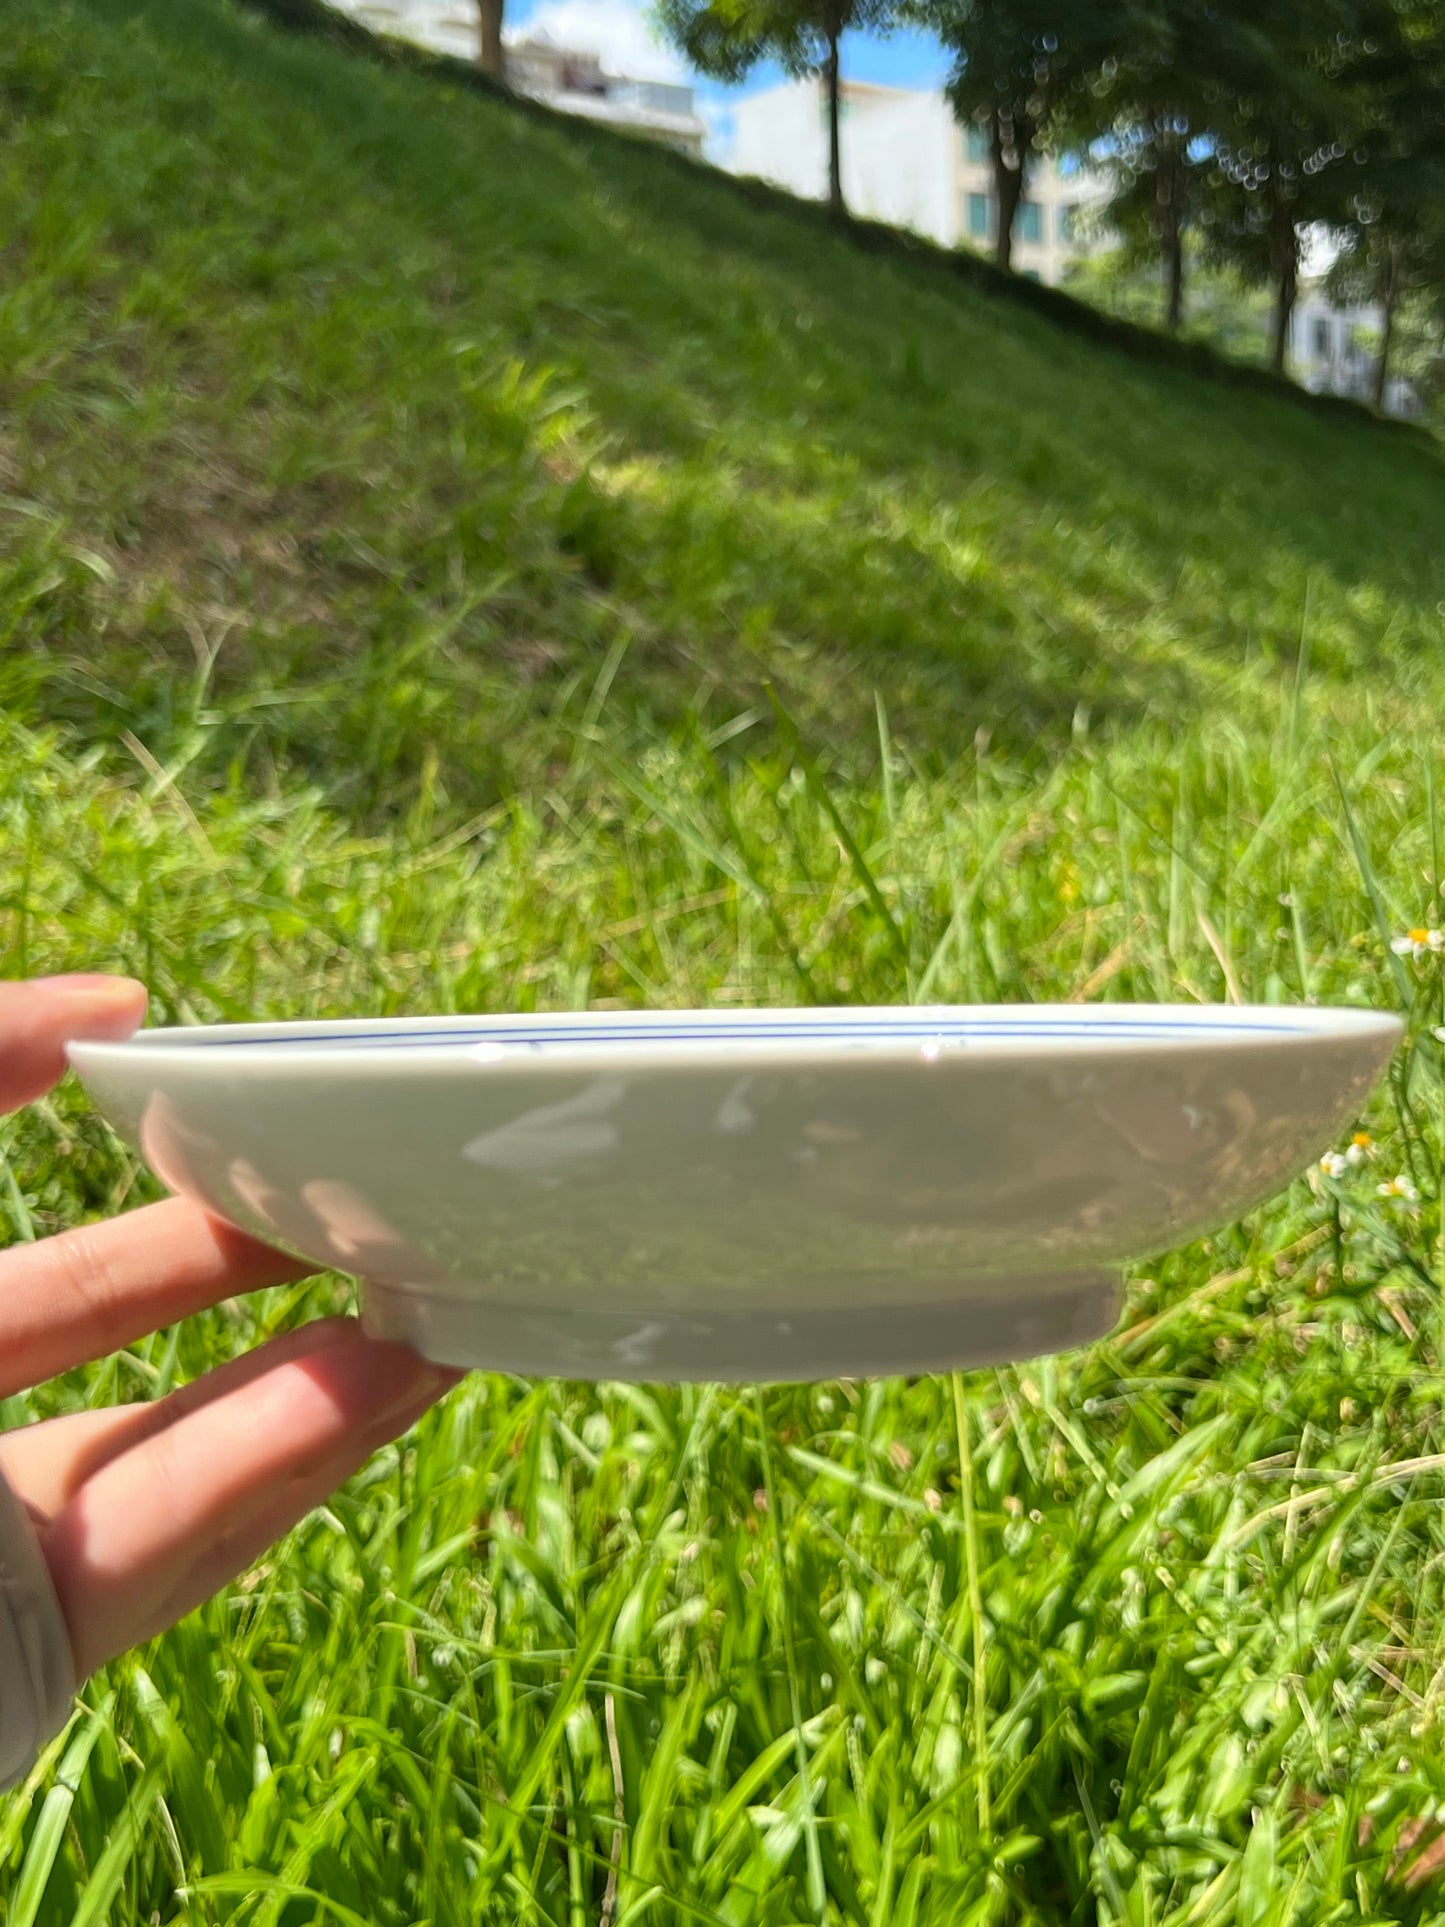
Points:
[(141, 1539)]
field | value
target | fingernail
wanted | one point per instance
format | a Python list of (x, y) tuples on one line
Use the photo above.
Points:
[(422, 1389), (432, 1382), (437, 1386), (104, 1006), (399, 1382)]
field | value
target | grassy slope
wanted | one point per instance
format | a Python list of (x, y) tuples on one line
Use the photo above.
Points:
[(404, 500), (334, 371)]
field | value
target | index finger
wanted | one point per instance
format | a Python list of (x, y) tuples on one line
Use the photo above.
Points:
[(87, 1292), (38, 1019), (72, 1298)]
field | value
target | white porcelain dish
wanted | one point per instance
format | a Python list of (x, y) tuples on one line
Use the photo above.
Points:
[(743, 1194)]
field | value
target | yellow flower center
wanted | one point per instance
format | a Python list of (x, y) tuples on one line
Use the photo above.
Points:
[(1419, 936), (1362, 1138)]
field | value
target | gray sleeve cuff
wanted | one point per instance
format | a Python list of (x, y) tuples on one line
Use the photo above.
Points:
[(37, 1674)]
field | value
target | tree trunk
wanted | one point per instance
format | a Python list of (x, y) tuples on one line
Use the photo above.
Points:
[(1389, 297), (1284, 294), (1168, 193), (1284, 270), (1381, 378), (489, 48), (837, 206), (1008, 138), (1174, 262)]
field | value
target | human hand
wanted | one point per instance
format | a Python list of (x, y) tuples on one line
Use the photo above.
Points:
[(143, 1511)]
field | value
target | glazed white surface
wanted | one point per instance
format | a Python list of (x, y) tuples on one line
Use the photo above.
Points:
[(742, 1195)]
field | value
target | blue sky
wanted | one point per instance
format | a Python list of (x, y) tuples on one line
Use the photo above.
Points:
[(620, 31), (902, 60)]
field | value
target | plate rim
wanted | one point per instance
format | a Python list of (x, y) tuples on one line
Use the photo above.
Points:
[(294, 1044)]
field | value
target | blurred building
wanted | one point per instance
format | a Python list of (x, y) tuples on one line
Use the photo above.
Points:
[(1332, 350), (446, 26), (576, 84), (569, 79), (906, 160)]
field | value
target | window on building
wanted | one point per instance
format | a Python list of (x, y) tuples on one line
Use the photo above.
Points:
[(980, 216), (1032, 274), (1030, 221), (976, 142), (1068, 223), (1322, 338)]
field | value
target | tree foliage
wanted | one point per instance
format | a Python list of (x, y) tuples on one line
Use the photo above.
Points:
[(727, 38), (1148, 110), (1392, 237), (1229, 130), (1018, 67)]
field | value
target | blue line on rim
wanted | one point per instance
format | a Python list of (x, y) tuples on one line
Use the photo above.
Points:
[(762, 1033)]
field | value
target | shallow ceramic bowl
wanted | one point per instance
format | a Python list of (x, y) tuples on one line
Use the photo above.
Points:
[(748, 1194)]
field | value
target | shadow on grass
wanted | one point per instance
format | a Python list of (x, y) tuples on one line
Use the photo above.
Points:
[(315, 19), (837, 463)]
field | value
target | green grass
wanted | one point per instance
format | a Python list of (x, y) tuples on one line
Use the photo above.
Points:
[(410, 509)]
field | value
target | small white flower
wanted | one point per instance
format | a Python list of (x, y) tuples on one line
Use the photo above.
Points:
[(1286, 900), (1399, 1187), (1339, 1164), (1419, 943)]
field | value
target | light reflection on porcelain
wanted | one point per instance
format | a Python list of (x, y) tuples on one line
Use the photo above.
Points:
[(743, 1195), (544, 1144)]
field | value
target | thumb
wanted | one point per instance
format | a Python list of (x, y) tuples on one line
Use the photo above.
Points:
[(38, 1019)]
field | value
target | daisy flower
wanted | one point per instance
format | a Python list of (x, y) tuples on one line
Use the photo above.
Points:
[(1419, 943), (1399, 1187), (1339, 1164)]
